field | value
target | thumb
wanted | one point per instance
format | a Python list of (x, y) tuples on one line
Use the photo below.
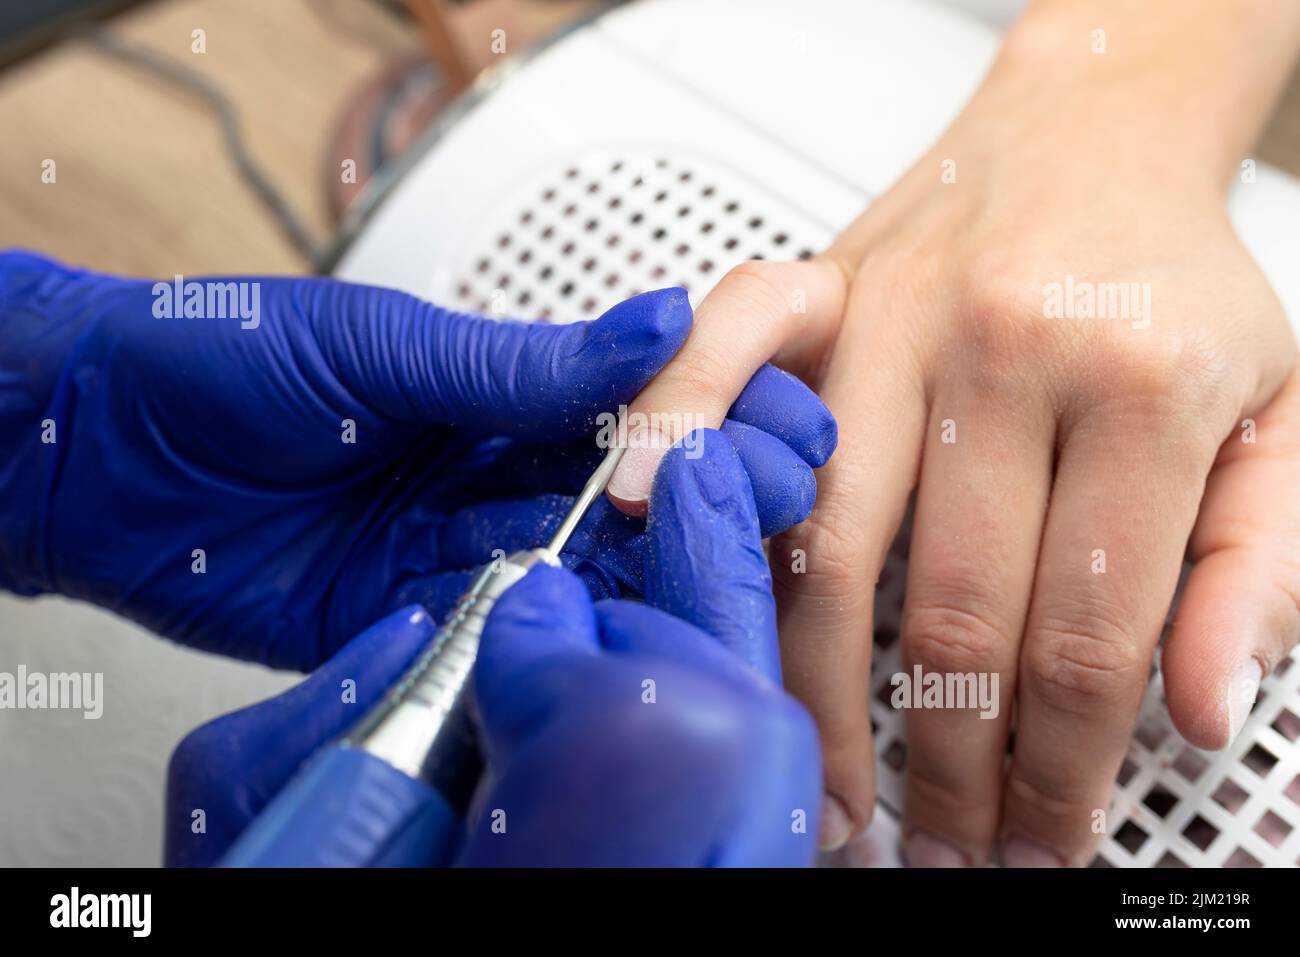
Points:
[(1239, 614), (416, 363), (706, 563), (233, 766)]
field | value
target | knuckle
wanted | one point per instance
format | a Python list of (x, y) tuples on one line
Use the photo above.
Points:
[(1001, 323), (901, 279), (999, 274), (697, 377), (994, 344), (930, 786), (1172, 374), (832, 552), (1048, 805), (1004, 329), (1083, 663), (895, 278), (949, 639), (756, 283)]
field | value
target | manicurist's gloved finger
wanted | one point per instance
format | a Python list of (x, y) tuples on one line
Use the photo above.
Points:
[(437, 593), (607, 545), (627, 626), (783, 484), (545, 619), (232, 766), (478, 534), (779, 455), (440, 592), (509, 468), (706, 563), (417, 364), (545, 614), (481, 533), (783, 489), (583, 745), (781, 405)]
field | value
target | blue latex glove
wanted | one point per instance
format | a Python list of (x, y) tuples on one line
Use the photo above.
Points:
[(177, 435), (622, 734), (225, 772), (722, 769)]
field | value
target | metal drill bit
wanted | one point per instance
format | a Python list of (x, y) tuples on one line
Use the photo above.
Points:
[(422, 726), (594, 488)]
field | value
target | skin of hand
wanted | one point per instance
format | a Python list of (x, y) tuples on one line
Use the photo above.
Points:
[(1065, 453), (265, 492), (714, 766)]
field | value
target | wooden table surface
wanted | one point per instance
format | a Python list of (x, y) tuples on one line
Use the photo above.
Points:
[(143, 183)]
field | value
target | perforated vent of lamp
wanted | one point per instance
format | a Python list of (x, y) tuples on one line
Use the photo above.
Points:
[(606, 225)]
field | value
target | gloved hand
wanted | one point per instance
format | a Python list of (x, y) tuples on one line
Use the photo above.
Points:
[(225, 772), (711, 764), (265, 485), (623, 734)]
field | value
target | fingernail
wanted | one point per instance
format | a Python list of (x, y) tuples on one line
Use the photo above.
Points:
[(1017, 852), (836, 825), (926, 850), (629, 486), (1242, 691), (866, 851)]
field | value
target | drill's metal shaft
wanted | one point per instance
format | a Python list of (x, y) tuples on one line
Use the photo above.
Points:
[(594, 488), (422, 726)]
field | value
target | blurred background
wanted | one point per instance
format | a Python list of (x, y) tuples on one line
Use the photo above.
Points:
[(170, 160), (226, 160)]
